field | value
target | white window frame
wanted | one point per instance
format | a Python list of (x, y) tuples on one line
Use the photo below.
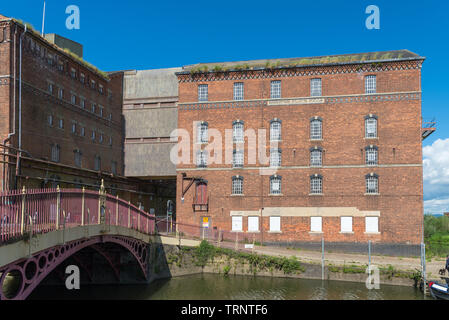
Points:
[(55, 153), (275, 158), (237, 223), (371, 156), (276, 130), (203, 92), (238, 132), (346, 224), (238, 159), (316, 224), (370, 84), (372, 184), (315, 87), (316, 129), (203, 132), (50, 120), (239, 91), (253, 224), (371, 127), (201, 158), (237, 185), (372, 224), (316, 185), (316, 158), (275, 180), (275, 224), (275, 89)]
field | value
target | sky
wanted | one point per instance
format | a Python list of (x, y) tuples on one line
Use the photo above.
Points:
[(141, 34)]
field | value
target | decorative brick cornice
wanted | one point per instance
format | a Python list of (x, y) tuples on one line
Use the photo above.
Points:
[(284, 72)]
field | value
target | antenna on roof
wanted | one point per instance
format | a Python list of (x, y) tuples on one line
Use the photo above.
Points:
[(43, 21)]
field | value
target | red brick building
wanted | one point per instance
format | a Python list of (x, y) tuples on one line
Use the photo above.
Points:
[(343, 139)]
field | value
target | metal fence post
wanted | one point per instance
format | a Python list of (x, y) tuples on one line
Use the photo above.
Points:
[(369, 256), (116, 213), (423, 265), (22, 222), (129, 214), (58, 206), (82, 207), (322, 258)]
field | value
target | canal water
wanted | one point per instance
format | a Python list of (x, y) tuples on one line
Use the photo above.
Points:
[(220, 287)]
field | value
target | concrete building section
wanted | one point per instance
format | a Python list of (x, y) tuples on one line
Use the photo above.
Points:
[(65, 43), (151, 114)]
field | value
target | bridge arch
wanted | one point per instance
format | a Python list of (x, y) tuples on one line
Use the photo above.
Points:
[(30, 272)]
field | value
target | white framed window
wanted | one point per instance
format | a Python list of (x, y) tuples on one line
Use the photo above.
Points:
[(371, 224), (371, 155), (83, 103), (275, 224), (93, 135), (276, 130), (73, 73), (275, 89), (92, 84), (238, 131), (237, 159), (372, 183), (371, 126), (50, 120), (315, 87), (203, 136), (110, 141), (237, 185), (50, 88), (275, 157), (60, 93), (55, 153), (82, 78), (101, 88), (100, 109), (316, 224), (237, 224), (203, 94), (238, 91), (201, 158), (275, 184), (73, 127), (316, 132), (61, 124), (253, 224), (82, 131), (316, 157), (78, 158), (346, 224), (370, 84), (73, 99), (94, 107), (316, 184), (101, 138)]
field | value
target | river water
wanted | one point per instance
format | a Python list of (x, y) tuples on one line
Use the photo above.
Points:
[(220, 287)]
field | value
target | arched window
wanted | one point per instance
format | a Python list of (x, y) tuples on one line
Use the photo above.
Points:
[(371, 155), (316, 157), (201, 192), (275, 184), (237, 185), (316, 184), (316, 132), (372, 183), (371, 126), (275, 130), (237, 131)]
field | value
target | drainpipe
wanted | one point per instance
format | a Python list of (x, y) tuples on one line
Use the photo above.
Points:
[(20, 103)]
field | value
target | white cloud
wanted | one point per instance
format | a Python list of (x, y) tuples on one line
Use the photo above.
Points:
[(436, 177)]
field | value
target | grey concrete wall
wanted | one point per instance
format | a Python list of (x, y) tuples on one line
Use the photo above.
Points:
[(151, 84), (150, 122), (149, 160)]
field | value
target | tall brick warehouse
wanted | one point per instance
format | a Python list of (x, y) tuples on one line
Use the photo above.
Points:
[(343, 142)]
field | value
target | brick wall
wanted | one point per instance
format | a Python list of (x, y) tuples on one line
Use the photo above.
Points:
[(399, 141)]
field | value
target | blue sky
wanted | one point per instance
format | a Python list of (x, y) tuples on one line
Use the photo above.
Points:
[(138, 34)]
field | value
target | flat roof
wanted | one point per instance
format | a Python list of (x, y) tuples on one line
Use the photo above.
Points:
[(339, 59)]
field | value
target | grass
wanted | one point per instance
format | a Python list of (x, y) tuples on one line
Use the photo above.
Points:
[(436, 236)]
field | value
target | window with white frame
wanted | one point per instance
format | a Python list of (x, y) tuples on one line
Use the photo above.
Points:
[(94, 107), (237, 158), (83, 103), (238, 131), (92, 84), (316, 129), (101, 138), (237, 185), (275, 224), (100, 109), (73, 127), (237, 224), (371, 224), (275, 157), (346, 224), (73, 73), (275, 130), (78, 158), (372, 183), (370, 84), (275, 89), (82, 78), (110, 141), (60, 93), (50, 88), (316, 224), (371, 126), (203, 136), (316, 184), (73, 99), (371, 155), (201, 158), (50, 120), (61, 124), (238, 91), (101, 88), (97, 163), (203, 94), (55, 153), (114, 167), (315, 87), (275, 184), (253, 224), (93, 135), (82, 131), (316, 157)]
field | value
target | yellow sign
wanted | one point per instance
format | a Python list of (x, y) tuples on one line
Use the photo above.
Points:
[(205, 222)]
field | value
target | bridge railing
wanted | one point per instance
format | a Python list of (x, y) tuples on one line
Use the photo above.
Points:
[(40, 211)]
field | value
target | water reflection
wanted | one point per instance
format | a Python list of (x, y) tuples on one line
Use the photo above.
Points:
[(219, 287)]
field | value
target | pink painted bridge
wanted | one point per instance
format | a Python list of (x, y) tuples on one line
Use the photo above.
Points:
[(41, 229)]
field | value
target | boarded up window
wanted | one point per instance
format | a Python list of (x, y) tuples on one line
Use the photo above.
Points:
[(275, 224), (316, 224), (372, 224), (237, 223), (346, 224), (253, 224)]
